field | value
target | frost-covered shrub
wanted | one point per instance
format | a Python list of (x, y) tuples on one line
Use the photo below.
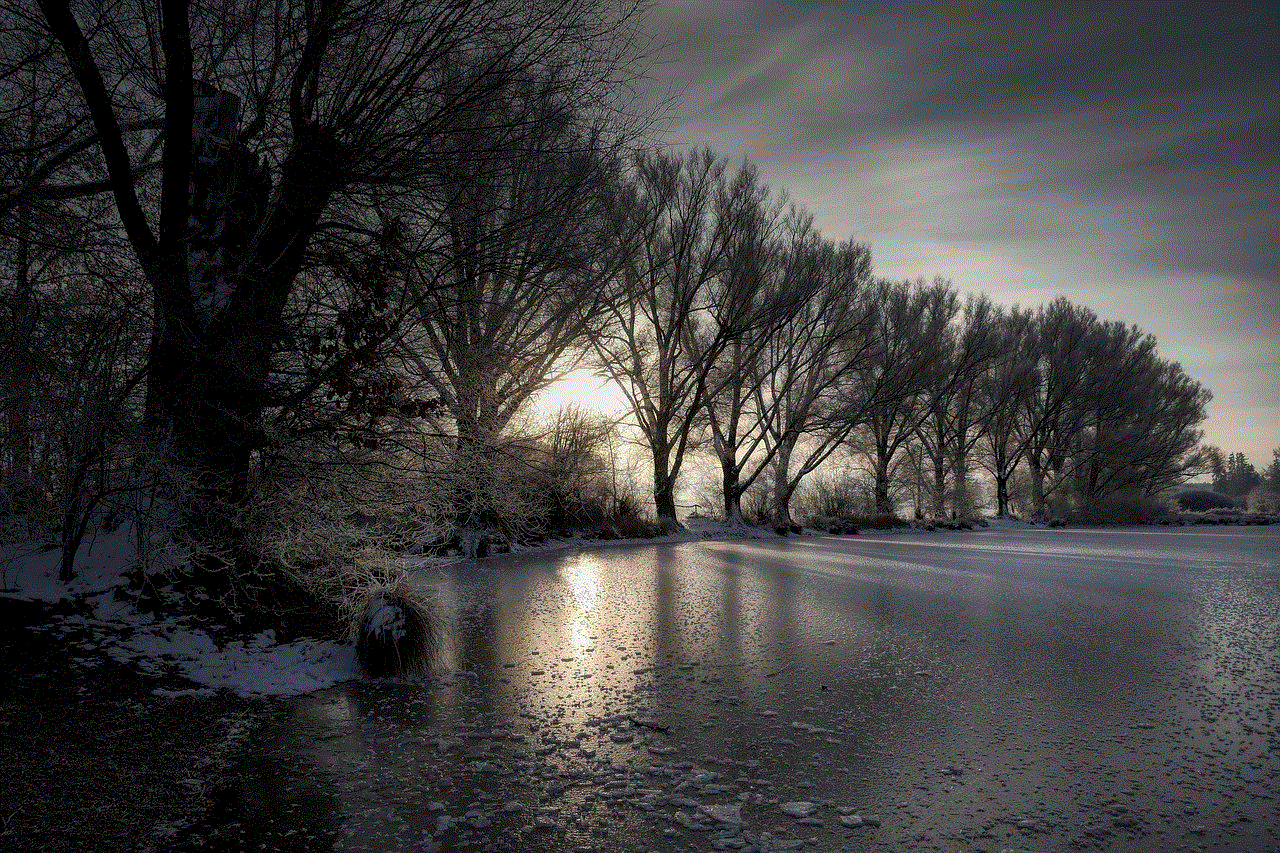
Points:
[(757, 505), (494, 491), (572, 463), (833, 496), (332, 522), (634, 527), (394, 634), (880, 522), (1265, 499)]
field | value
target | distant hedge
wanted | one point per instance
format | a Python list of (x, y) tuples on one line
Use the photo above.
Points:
[(1199, 500)]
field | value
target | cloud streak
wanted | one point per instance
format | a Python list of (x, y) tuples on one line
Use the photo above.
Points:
[(1125, 155)]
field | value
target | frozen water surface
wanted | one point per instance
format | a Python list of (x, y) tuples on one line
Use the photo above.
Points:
[(995, 690)]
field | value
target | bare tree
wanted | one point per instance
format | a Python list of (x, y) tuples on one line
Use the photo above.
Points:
[(344, 103), (1139, 428), (737, 413), (684, 308), (909, 333), (1003, 390), (953, 423), (811, 357), (1063, 344), (515, 269), (70, 361)]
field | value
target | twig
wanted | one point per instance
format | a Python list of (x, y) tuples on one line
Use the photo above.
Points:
[(8, 821)]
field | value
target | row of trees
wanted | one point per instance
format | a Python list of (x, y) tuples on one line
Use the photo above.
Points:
[(295, 270), (1232, 474), (1236, 481)]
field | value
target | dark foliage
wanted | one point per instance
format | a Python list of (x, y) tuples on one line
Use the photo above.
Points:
[(1199, 500)]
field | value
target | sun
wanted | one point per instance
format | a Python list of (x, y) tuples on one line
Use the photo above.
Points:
[(586, 390)]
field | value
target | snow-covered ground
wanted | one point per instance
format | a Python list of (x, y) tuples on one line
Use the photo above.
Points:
[(258, 666)]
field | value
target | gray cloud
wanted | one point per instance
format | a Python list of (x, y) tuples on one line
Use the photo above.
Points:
[(1126, 155)]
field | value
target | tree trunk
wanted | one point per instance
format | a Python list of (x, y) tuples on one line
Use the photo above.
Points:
[(783, 488), (217, 321), (1037, 485), (961, 503), (939, 486), (884, 505), (664, 497), (18, 435), (731, 491), (1002, 496), (205, 409)]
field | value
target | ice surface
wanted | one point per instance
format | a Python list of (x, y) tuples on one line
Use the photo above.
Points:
[(969, 669), (962, 690), (725, 813)]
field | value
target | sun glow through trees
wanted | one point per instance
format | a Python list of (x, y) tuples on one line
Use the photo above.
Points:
[(586, 390)]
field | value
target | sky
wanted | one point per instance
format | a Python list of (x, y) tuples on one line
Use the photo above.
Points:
[(1123, 156)]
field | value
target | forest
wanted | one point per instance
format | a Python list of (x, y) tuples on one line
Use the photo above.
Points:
[(282, 281)]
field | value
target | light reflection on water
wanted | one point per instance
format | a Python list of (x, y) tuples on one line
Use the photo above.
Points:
[(1061, 676)]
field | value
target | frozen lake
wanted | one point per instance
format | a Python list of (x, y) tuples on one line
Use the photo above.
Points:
[(1021, 689)]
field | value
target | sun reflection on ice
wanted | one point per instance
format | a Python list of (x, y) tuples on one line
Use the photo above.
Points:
[(584, 581)]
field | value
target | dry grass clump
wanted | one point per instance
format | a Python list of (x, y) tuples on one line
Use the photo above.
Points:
[(395, 633)]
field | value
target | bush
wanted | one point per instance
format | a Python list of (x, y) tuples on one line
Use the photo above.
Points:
[(633, 527), (394, 635), (832, 497), (1265, 500), (879, 522), (1127, 509), (1200, 500)]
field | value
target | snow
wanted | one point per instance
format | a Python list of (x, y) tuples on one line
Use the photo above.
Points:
[(258, 666), (29, 573), (386, 617)]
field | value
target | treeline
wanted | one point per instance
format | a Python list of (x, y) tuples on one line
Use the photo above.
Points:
[(286, 284), (1236, 483)]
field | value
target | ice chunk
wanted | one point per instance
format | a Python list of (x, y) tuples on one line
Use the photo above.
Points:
[(798, 808), (724, 813)]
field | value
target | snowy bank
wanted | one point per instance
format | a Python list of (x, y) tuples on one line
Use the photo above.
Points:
[(108, 621), (160, 646)]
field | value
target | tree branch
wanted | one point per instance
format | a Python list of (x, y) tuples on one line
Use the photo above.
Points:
[(110, 136)]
